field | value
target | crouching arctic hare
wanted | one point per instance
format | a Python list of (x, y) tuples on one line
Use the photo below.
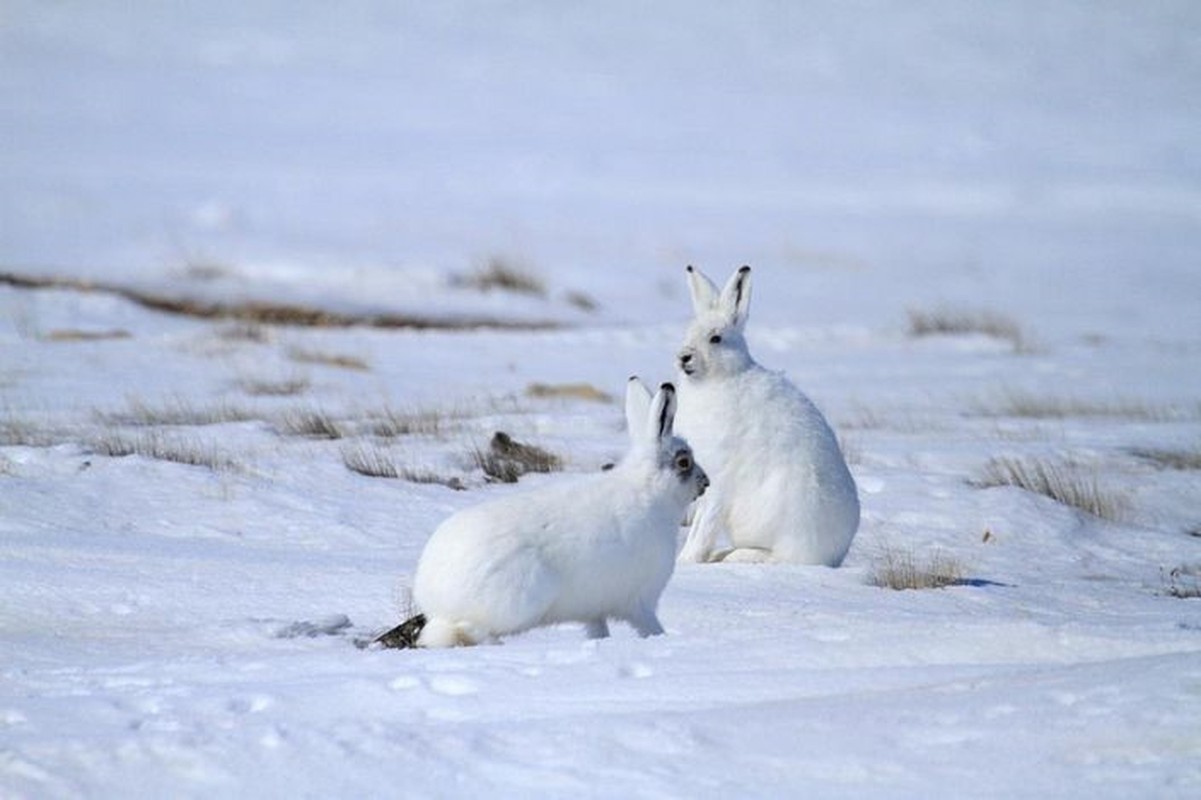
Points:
[(781, 489), (587, 550)]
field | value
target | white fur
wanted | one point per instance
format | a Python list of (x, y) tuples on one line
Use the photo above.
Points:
[(781, 489), (585, 550)]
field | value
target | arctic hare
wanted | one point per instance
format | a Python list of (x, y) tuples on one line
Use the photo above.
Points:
[(587, 550), (781, 489)]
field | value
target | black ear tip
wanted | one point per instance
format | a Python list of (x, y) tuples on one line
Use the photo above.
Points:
[(744, 268), (667, 387), (689, 268), (631, 379)]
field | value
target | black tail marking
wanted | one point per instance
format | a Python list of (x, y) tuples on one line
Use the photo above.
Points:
[(403, 636)]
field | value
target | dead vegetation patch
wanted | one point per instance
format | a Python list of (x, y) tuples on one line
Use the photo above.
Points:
[(568, 391), (156, 445), (505, 460), (18, 431), (392, 423), (309, 423), (1179, 459), (1062, 482), (260, 312), (74, 335), (286, 386), (584, 302), (368, 459), (964, 322), (336, 360), (1028, 405), (176, 412), (503, 274), (904, 569)]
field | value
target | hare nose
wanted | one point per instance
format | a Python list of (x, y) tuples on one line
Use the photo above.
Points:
[(685, 358)]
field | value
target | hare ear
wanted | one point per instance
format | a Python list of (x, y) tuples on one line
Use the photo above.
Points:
[(638, 406), (704, 291), (662, 412), (735, 300)]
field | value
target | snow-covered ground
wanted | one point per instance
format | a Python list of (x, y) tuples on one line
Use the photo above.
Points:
[(188, 630)]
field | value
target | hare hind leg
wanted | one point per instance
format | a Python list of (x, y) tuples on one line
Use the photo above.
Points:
[(743, 555), (446, 633)]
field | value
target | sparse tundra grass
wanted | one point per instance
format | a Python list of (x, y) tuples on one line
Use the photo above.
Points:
[(266, 313), (78, 335), (1028, 405), (311, 423), (369, 459), (303, 355), (567, 391), (504, 274), (1063, 483), (18, 431), (179, 412), (281, 386), (391, 423), (1183, 459), (904, 569), (960, 322), (156, 445), (505, 460)]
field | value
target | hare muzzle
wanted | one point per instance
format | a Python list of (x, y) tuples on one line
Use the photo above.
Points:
[(687, 359)]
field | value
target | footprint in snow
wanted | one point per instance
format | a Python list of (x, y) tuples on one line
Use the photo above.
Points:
[(333, 625)]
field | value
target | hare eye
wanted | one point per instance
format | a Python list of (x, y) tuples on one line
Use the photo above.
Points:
[(683, 462), (715, 339)]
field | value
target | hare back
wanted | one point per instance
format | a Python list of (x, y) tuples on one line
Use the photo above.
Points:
[(568, 552), (761, 415)]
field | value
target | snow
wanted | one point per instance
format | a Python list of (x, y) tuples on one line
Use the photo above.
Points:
[(176, 630)]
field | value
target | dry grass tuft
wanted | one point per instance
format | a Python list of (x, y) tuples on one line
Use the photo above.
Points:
[(367, 459), (1177, 459), (336, 360), (17, 431), (505, 275), (570, 391), (391, 423), (311, 423), (154, 444), (178, 412), (287, 386), (506, 459), (947, 322), (251, 332), (1027, 405), (207, 271), (894, 569), (1062, 483), (582, 301), (75, 335), (255, 312)]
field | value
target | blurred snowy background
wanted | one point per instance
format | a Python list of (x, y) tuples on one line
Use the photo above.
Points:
[(978, 147)]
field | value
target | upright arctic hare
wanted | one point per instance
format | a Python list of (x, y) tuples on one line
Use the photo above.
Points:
[(781, 489), (586, 550)]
